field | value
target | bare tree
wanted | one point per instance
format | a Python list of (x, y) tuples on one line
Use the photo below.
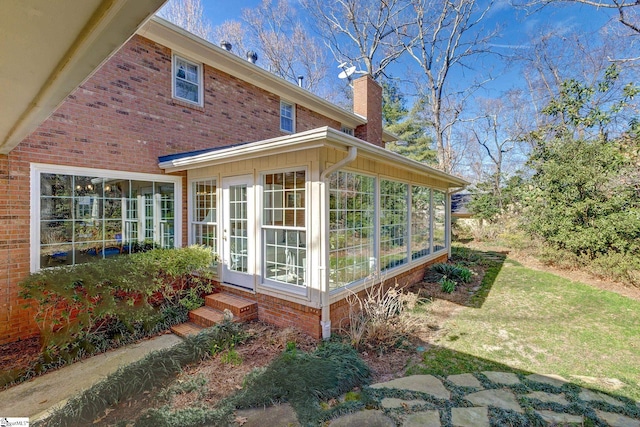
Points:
[(366, 33), (448, 36), (284, 46), (555, 57), (189, 15), (500, 133), (626, 10)]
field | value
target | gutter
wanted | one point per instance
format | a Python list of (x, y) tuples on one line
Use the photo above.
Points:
[(325, 319)]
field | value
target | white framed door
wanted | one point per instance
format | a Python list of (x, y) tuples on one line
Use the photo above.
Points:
[(238, 234)]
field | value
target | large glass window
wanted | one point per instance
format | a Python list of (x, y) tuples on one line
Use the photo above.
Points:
[(284, 230), (204, 220), (420, 221), (439, 218), (351, 228), (84, 218), (187, 80), (393, 224)]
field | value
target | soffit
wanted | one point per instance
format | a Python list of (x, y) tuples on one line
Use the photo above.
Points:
[(192, 46), (50, 47)]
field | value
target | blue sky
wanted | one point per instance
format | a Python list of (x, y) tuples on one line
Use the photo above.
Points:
[(516, 30)]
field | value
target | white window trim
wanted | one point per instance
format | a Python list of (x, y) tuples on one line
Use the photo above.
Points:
[(263, 281), (293, 116), (200, 67), (348, 130), (39, 168)]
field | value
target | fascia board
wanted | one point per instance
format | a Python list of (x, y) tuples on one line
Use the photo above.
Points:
[(324, 136)]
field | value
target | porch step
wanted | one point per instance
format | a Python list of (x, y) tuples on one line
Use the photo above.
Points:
[(242, 309), (206, 316), (212, 313), (186, 329)]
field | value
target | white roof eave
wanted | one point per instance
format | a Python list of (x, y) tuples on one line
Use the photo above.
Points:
[(324, 136)]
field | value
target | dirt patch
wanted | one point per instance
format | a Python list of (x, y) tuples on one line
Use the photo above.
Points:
[(19, 355)]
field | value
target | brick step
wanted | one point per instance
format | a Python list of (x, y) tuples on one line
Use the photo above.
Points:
[(206, 316), (186, 329), (242, 309)]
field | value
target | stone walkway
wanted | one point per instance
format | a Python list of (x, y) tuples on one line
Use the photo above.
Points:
[(477, 400), (494, 398)]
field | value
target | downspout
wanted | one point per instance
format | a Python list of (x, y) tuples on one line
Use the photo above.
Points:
[(325, 319), (448, 213)]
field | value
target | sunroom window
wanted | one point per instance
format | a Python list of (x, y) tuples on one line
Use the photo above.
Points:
[(420, 221), (284, 227), (351, 228), (439, 218), (393, 224), (204, 221), (83, 218)]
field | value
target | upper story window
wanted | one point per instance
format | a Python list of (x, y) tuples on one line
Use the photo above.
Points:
[(287, 116), (347, 130), (187, 80)]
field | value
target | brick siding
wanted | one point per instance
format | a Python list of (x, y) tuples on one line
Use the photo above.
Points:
[(122, 118)]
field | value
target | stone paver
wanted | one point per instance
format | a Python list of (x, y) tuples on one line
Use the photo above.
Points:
[(499, 398), (368, 418), (551, 379), (617, 420), (422, 383), (423, 419), (590, 396), (392, 402), (276, 415), (470, 417), (506, 378), (465, 380), (555, 418), (547, 397)]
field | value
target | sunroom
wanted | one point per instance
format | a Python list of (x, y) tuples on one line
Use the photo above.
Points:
[(306, 219)]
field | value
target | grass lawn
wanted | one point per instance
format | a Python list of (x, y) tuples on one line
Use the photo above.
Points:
[(537, 322)]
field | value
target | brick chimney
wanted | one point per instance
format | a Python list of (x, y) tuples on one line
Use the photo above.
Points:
[(367, 102)]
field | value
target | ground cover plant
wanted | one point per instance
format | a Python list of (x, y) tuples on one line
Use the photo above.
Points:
[(154, 370)]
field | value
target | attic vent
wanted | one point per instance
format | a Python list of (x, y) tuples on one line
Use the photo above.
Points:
[(226, 45), (252, 57)]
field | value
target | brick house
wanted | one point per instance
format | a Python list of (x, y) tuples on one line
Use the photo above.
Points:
[(176, 141)]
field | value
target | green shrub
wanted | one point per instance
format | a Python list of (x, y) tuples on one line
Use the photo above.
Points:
[(453, 272), (113, 296), (447, 285)]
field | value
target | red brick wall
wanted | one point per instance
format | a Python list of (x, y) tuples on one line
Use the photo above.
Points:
[(284, 313), (123, 118)]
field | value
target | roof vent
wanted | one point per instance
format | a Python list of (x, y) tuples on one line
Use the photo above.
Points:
[(252, 57), (226, 45), (300, 78)]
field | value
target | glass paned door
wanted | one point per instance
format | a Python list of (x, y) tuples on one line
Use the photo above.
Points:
[(238, 233)]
